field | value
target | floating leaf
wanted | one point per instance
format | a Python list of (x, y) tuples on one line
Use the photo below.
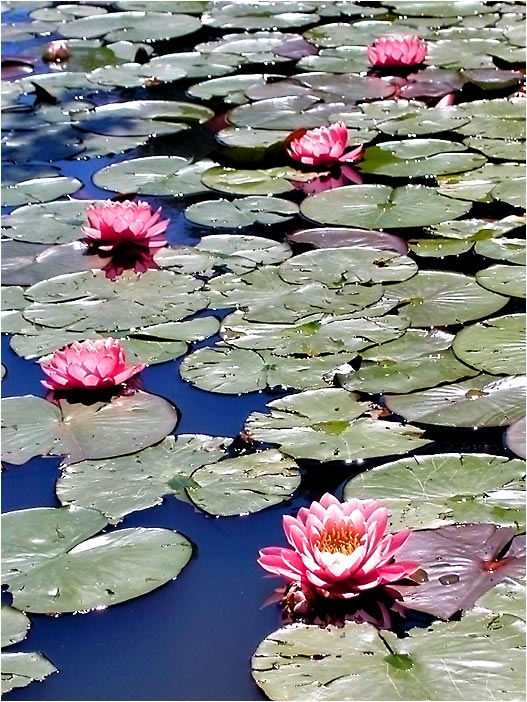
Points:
[(118, 486), (426, 492), (231, 89), (495, 346), (326, 425), (270, 181), (33, 426), (493, 181), (38, 190), (71, 574), (242, 212), (515, 437), (505, 249), (21, 669), (15, 625), (404, 118), (247, 15), (48, 223), (506, 280), (336, 237), (374, 206), (245, 484), (484, 401)]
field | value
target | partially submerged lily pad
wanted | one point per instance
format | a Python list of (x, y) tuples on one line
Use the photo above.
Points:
[(15, 625), (21, 669)]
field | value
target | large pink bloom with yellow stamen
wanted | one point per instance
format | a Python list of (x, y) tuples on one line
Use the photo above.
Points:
[(91, 365), (113, 224), (339, 549), (397, 50), (323, 146)]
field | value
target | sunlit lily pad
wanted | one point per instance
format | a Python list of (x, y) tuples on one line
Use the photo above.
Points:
[(47, 223), (494, 181), (154, 175), (503, 149), (133, 75), (118, 486), (245, 484), (270, 181), (15, 625), (70, 574), (506, 597), (438, 248), (515, 437), (503, 279), (478, 230), (256, 47), (242, 212), (505, 249), (335, 237), (345, 59), (438, 298), (415, 360), (446, 659), (33, 426), (249, 15), (379, 206), (495, 346), (328, 425), (484, 401), (195, 65), (426, 492), (231, 89), (403, 118), (38, 190), (21, 669), (132, 26)]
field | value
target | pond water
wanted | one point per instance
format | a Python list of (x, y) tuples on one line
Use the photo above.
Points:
[(458, 175)]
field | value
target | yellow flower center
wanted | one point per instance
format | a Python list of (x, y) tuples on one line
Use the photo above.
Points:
[(338, 540)]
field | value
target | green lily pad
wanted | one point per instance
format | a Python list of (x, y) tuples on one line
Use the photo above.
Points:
[(440, 298), (242, 212), (21, 669), (118, 486), (503, 149), (154, 175), (195, 65), (438, 248), (231, 89), (38, 190), (270, 181), (445, 659), (404, 118), (345, 59), (512, 250), (65, 12), (256, 47), (32, 426), (493, 181), (417, 359), (15, 625), (245, 484), (131, 26), (515, 437), (495, 346), (477, 230), (47, 223), (418, 157), (248, 15), (133, 75), (71, 574), (484, 401), (427, 492), (503, 279), (336, 237), (327, 425), (379, 206), (506, 597)]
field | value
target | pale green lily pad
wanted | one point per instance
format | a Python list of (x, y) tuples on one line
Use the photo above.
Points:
[(73, 574), (311, 336), (503, 279), (132, 75), (248, 15), (266, 297), (248, 145), (359, 33), (65, 12), (427, 492), (37, 190), (379, 206), (245, 484), (336, 267), (242, 212), (507, 597), (438, 248), (192, 7), (32, 426), (63, 85), (326, 425), (47, 223), (463, 53), (30, 341), (477, 230), (512, 250), (118, 486), (503, 149), (231, 89), (131, 26), (256, 47), (195, 65), (270, 181), (441, 298), (418, 157), (21, 669), (417, 359), (515, 437), (495, 346), (344, 59), (483, 401), (444, 660), (494, 181), (15, 625), (404, 118), (154, 175), (495, 119)]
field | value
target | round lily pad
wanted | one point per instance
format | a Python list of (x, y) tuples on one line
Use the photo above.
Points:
[(270, 181), (379, 206), (71, 574), (515, 437), (245, 484), (247, 15), (502, 249), (440, 298), (503, 279), (496, 345), (231, 89), (404, 118), (38, 190), (15, 625), (483, 401), (426, 492), (335, 237), (47, 223), (225, 370), (242, 212)]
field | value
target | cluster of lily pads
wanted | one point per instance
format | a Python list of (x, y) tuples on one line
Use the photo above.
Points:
[(326, 284)]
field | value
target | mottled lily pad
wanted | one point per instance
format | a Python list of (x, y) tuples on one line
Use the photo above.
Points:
[(493, 181), (270, 181), (47, 223), (495, 346), (242, 212), (15, 625), (426, 492), (21, 669)]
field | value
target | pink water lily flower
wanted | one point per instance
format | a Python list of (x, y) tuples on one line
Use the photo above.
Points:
[(323, 146), (339, 549), (91, 365), (113, 224), (397, 50)]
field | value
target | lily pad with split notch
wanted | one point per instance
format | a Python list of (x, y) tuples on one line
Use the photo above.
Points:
[(495, 346), (38, 190), (268, 181), (21, 669), (241, 212), (503, 279), (47, 223)]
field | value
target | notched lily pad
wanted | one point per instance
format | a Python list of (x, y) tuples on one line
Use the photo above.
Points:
[(21, 669), (241, 212), (495, 346)]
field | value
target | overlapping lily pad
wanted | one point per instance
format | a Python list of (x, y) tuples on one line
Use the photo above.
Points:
[(484, 401), (503, 279), (67, 571), (493, 181), (329, 425), (515, 437), (495, 346), (38, 190), (21, 669), (242, 212), (426, 492), (15, 625), (32, 426)]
